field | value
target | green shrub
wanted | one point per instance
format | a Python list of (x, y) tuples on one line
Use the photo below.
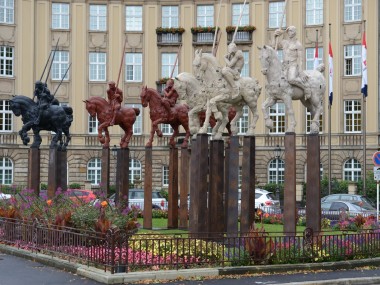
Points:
[(164, 192), (75, 186), (43, 186)]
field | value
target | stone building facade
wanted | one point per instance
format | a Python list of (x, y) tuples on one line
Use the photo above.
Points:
[(91, 36)]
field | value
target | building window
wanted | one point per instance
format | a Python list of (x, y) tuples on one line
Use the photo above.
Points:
[(277, 114), (352, 170), (352, 116), (240, 178), (133, 18), (205, 15), (165, 175), (97, 66), (7, 11), (6, 116), (133, 67), (242, 124), (352, 10), (93, 125), (94, 168), (276, 10), (245, 69), (60, 16), (134, 170), (352, 60), (6, 171), (60, 65), (167, 64), (137, 126), (6, 61), (170, 17), (310, 53), (276, 171), (308, 122), (166, 129), (314, 12), (236, 10), (98, 17)]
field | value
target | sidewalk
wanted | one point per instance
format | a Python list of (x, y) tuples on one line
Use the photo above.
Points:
[(184, 274)]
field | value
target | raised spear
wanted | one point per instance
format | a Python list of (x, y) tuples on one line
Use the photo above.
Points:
[(62, 80), (238, 23), (282, 20), (216, 29), (121, 63)]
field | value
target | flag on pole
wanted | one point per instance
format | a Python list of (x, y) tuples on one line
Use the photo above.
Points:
[(316, 60), (331, 72), (364, 66)]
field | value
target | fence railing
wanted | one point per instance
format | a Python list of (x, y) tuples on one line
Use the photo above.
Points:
[(122, 251)]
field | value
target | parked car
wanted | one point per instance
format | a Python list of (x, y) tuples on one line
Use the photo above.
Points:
[(333, 209), (77, 195), (136, 197), (5, 196), (348, 197), (266, 201)]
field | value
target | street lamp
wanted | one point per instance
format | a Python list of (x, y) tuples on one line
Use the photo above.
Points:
[(277, 155)]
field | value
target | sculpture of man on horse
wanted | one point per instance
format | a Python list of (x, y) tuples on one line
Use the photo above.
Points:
[(115, 97), (170, 96), (293, 60), (44, 99)]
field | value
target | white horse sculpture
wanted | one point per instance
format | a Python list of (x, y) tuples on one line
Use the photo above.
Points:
[(278, 88), (210, 83)]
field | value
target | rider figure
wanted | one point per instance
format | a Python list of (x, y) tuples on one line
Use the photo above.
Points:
[(234, 64), (170, 96), (293, 60), (44, 99), (115, 97)]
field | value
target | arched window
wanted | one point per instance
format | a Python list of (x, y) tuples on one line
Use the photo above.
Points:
[(276, 171), (134, 170), (94, 168), (6, 171), (352, 170)]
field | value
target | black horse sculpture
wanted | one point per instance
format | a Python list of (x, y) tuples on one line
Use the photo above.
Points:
[(55, 118)]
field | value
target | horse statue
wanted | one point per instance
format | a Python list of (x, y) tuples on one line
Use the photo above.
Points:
[(159, 115), (55, 118), (125, 118), (278, 88), (208, 73)]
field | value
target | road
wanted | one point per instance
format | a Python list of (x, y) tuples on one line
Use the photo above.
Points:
[(18, 271)]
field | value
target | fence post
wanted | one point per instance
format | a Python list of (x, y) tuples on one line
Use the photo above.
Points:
[(110, 242)]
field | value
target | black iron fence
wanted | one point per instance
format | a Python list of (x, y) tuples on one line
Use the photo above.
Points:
[(123, 251)]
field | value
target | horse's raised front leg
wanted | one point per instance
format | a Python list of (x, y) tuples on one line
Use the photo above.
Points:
[(252, 104), (152, 131), (204, 128), (128, 132), (269, 102), (194, 120), (24, 132), (102, 127), (107, 138), (224, 122), (290, 113), (316, 111), (239, 112), (175, 133)]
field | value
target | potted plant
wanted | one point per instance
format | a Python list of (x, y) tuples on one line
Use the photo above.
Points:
[(231, 29), (199, 29), (161, 30)]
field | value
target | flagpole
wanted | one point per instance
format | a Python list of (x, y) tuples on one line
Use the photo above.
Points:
[(329, 134), (364, 124), (216, 29)]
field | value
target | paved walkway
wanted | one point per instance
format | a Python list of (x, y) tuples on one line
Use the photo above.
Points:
[(19, 266)]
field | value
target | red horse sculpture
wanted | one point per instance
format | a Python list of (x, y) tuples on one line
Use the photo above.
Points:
[(159, 115), (125, 118)]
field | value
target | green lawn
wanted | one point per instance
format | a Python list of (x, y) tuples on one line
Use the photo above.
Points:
[(160, 226)]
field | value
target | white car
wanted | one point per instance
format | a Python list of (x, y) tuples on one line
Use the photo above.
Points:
[(5, 196), (266, 201)]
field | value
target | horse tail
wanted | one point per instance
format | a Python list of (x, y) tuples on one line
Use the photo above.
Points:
[(137, 111)]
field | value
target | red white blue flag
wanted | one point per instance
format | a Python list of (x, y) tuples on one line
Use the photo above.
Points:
[(331, 73), (364, 66), (316, 60)]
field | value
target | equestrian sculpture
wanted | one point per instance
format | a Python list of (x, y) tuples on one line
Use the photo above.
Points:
[(160, 114), (284, 83), (46, 114)]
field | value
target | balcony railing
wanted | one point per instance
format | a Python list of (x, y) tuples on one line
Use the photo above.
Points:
[(171, 39), (242, 37), (203, 38)]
